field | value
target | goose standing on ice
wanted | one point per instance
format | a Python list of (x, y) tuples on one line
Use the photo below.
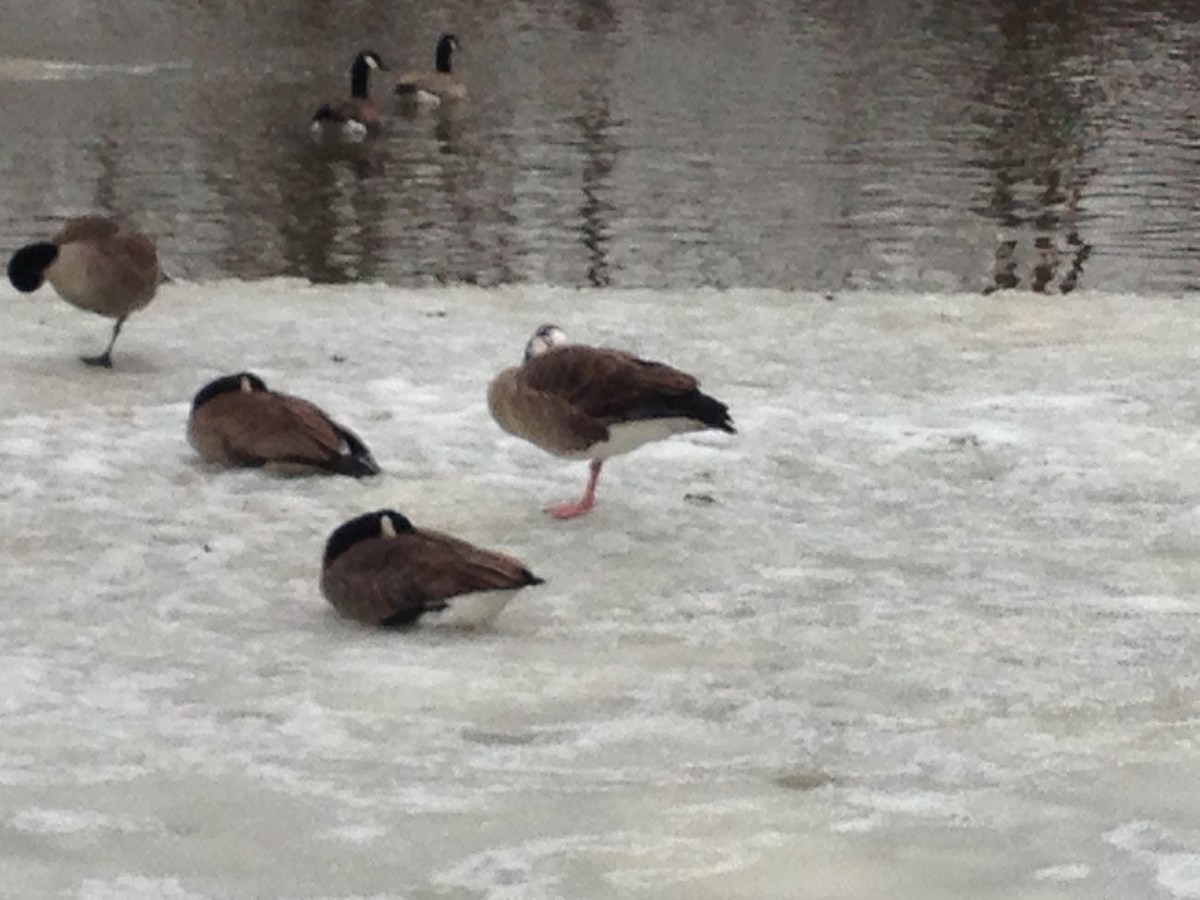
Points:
[(356, 117), (438, 86), (381, 570), (593, 403), (236, 421), (95, 264)]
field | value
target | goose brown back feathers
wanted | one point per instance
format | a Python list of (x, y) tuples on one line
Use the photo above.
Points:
[(259, 427), (393, 579), (103, 268), (566, 399), (441, 83), (355, 109)]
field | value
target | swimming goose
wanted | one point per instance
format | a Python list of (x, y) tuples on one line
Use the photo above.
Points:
[(236, 421), (381, 570), (435, 87), (356, 117), (95, 264), (594, 403)]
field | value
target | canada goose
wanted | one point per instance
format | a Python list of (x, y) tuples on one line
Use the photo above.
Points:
[(435, 87), (236, 421), (381, 570), (357, 116), (593, 403), (94, 264)]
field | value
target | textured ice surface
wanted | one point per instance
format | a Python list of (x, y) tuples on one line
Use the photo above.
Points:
[(928, 626)]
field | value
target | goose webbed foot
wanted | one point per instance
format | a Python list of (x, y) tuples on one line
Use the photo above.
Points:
[(103, 360)]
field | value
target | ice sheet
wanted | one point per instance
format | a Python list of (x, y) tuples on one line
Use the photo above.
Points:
[(926, 627)]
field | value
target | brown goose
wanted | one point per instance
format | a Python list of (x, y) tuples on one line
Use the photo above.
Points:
[(94, 264), (236, 421), (381, 570), (438, 86), (592, 403), (357, 117)]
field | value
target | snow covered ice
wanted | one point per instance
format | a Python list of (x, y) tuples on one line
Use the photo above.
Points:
[(926, 627)]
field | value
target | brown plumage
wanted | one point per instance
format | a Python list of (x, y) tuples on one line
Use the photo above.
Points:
[(95, 264), (436, 87), (356, 116), (381, 570), (236, 421), (594, 403)]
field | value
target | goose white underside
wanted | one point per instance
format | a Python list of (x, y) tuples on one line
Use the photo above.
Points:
[(628, 436), (428, 98), (353, 130), (350, 130), (73, 275), (470, 610)]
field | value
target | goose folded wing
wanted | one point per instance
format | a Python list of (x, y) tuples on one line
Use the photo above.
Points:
[(87, 228), (261, 428), (375, 583), (442, 567), (608, 385)]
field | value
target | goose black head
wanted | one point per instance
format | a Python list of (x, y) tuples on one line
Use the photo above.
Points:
[(27, 267), (545, 338), (242, 381), (385, 523), (371, 60)]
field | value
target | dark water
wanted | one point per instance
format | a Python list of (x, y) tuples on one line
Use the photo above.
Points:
[(828, 144)]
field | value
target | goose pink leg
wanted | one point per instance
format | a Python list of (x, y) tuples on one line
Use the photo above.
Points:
[(585, 504)]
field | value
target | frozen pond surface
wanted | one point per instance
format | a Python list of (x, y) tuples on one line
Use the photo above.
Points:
[(926, 628)]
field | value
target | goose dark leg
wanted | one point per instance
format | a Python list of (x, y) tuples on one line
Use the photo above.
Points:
[(585, 504), (105, 359)]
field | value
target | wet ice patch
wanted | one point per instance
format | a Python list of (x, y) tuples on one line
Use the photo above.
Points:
[(135, 887), (1176, 867), (628, 861), (36, 820), (1064, 873)]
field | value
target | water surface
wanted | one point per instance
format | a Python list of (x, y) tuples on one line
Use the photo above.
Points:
[(1034, 144)]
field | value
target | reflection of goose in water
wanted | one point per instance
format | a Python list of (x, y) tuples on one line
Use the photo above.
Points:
[(599, 151), (1036, 122), (1046, 256)]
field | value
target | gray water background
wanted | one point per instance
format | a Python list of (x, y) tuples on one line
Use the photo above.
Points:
[(876, 145)]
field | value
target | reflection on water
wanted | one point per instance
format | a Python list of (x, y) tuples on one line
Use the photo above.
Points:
[(1033, 144), (595, 127), (1033, 108)]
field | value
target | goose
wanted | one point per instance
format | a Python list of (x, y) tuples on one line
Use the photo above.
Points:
[(583, 402), (380, 569), (438, 86), (93, 263), (236, 421), (357, 117)]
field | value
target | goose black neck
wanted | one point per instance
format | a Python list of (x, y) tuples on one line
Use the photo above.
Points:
[(360, 79), (445, 47)]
